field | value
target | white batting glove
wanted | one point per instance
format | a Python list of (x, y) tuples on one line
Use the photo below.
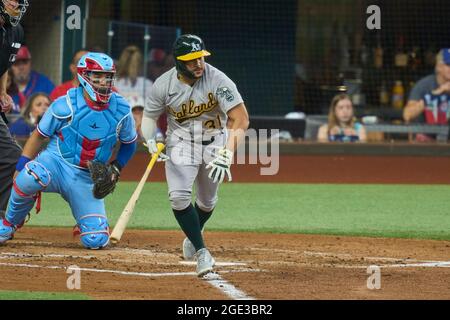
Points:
[(152, 148), (220, 166)]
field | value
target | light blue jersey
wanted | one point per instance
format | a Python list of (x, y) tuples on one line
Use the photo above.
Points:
[(79, 133), (80, 130)]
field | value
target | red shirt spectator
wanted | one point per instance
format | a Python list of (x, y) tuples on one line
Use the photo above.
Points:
[(27, 80), (61, 90)]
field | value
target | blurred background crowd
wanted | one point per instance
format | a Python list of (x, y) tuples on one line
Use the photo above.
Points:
[(312, 69)]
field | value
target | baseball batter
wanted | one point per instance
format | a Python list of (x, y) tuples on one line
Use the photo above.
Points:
[(207, 120)]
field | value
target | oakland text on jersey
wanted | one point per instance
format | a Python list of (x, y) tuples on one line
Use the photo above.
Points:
[(192, 111)]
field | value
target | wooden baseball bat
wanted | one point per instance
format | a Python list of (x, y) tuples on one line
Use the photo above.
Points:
[(121, 224)]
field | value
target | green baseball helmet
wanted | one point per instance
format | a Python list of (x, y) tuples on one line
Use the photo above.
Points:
[(188, 47)]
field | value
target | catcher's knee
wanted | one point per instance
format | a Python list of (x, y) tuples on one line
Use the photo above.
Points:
[(94, 231), (180, 200), (33, 178)]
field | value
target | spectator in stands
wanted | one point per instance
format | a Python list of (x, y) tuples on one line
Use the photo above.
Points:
[(61, 90), (31, 114), (429, 99), (130, 84), (342, 125), (159, 61), (27, 80)]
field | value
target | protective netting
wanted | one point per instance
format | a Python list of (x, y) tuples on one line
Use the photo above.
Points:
[(252, 42), (283, 55), (335, 47)]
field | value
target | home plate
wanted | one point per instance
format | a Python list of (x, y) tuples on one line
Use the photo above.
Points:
[(218, 264)]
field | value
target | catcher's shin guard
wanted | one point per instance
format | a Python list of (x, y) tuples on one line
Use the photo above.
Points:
[(94, 231), (32, 179)]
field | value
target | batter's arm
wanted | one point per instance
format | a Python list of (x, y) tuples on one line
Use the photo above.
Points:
[(237, 124), (148, 127)]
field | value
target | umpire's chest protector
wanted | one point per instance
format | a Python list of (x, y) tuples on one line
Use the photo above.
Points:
[(90, 134)]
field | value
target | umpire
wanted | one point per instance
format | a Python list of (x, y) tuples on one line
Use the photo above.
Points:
[(11, 38)]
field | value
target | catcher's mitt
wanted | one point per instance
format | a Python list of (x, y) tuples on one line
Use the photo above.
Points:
[(104, 176)]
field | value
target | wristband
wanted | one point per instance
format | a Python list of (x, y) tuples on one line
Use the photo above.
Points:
[(22, 162)]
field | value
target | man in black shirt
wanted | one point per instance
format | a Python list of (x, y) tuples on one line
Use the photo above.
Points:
[(11, 38)]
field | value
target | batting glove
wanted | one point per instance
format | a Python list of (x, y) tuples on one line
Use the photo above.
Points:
[(220, 166), (152, 148)]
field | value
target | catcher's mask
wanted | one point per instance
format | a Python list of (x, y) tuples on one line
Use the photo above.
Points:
[(188, 47), (12, 11), (96, 73)]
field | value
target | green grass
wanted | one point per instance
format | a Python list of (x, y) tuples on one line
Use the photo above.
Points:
[(405, 211), (36, 295)]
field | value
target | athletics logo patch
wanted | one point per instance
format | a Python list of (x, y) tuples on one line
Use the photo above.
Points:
[(226, 93)]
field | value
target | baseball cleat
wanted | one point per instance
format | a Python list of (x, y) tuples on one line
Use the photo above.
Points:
[(205, 262), (6, 230), (188, 250)]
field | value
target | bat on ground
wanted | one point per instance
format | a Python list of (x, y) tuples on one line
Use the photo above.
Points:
[(129, 208)]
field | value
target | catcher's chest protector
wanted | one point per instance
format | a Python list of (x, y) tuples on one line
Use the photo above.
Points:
[(91, 134)]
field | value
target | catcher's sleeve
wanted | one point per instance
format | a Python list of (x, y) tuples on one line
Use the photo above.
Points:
[(125, 153)]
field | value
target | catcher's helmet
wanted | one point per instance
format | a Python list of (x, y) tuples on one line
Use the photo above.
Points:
[(95, 62), (188, 47), (13, 11)]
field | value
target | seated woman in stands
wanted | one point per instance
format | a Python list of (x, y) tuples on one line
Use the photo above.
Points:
[(34, 109), (342, 125)]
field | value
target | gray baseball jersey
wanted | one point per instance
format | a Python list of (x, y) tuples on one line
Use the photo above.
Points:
[(195, 110), (208, 101)]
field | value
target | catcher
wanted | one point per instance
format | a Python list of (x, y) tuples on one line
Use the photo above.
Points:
[(83, 127)]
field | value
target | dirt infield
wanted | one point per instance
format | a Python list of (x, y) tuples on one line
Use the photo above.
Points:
[(148, 264)]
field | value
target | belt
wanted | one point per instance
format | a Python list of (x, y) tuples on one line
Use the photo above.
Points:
[(204, 142)]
